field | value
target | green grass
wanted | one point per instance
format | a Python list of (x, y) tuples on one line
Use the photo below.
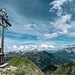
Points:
[(18, 61), (24, 67)]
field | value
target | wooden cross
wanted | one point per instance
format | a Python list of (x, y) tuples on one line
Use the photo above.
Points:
[(4, 24)]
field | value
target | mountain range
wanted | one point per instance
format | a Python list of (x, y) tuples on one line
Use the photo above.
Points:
[(40, 58), (65, 69), (67, 53), (55, 63)]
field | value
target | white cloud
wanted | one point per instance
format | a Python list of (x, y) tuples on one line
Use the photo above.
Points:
[(72, 30), (53, 35), (26, 47), (11, 48), (71, 34), (47, 47), (29, 27), (21, 47), (34, 46), (32, 29), (15, 47), (57, 5), (43, 46), (61, 26), (30, 47)]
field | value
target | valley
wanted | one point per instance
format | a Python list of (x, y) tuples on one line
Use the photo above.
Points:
[(57, 63)]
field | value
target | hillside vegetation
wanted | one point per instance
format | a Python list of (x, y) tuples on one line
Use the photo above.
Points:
[(40, 58), (65, 69), (24, 67)]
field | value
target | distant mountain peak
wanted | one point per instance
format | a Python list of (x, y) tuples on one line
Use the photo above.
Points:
[(67, 48), (34, 50), (67, 53)]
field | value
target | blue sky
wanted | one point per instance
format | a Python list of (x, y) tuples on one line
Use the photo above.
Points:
[(43, 24)]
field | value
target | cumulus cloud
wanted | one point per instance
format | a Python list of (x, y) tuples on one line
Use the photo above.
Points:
[(16, 48), (53, 35), (47, 47), (60, 25), (11, 48), (30, 47)]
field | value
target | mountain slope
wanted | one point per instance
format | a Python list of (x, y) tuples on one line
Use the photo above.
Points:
[(65, 69), (43, 58), (67, 53), (24, 67), (40, 58), (49, 69)]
